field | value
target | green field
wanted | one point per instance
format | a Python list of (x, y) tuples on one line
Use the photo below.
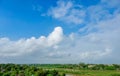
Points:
[(89, 72), (59, 70), (73, 70)]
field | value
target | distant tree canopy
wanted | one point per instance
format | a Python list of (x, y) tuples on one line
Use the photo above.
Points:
[(81, 66), (25, 70)]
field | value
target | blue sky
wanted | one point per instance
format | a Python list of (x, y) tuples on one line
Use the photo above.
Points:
[(18, 16), (59, 31)]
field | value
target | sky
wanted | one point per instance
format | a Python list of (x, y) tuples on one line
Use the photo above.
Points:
[(60, 31)]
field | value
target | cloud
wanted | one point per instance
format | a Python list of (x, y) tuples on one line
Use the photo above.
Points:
[(23, 46), (104, 41), (55, 47), (67, 12), (111, 3), (97, 41), (55, 37), (75, 13), (74, 48), (101, 45), (95, 54)]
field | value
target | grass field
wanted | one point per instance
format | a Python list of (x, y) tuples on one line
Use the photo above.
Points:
[(74, 72), (85, 69)]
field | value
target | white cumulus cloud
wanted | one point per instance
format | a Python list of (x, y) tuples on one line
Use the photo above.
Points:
[(23, 46)]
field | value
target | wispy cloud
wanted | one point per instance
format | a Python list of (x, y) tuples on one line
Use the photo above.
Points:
[(67, 12), (71, 12)]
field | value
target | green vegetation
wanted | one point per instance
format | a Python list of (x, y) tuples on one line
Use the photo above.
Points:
[(25, 70), (81, 69)]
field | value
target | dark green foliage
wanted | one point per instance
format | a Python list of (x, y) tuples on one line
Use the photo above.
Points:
[(24, 70), (115, 74), (63, 74), (110, 67), (80, 66), (54, 72)]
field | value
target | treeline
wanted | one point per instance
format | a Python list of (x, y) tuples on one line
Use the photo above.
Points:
[(25, 70), (48, 69), (81, 66)]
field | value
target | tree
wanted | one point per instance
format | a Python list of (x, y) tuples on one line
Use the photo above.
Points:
[(109, 67)]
